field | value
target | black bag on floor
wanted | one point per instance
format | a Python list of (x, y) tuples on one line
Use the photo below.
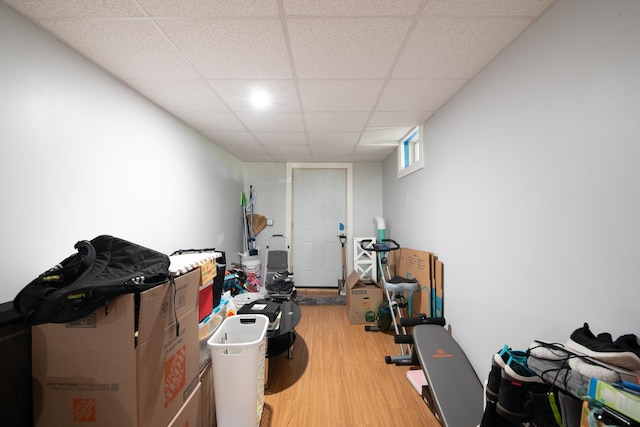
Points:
[(102, 269)]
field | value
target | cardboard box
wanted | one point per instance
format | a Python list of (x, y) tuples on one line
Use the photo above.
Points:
[(207, 272), (207, 397), (100, 370), (189, 415), (362, 299)]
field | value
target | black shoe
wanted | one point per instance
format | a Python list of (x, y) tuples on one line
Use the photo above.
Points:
[(623, 352), (585, 339), (517, 385), (630, 345), (490, 417), (498, 362)]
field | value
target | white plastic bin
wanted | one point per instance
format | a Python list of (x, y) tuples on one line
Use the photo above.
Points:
[(237, 356)]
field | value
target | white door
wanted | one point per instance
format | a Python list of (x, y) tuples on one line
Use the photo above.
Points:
[(318, 209)]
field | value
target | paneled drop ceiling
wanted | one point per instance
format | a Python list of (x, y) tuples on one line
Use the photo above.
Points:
[(347, 79)]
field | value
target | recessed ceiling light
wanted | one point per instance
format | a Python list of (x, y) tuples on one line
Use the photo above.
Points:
[(260, 100)]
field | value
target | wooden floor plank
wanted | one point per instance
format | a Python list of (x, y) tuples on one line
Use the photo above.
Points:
[(338, 377)]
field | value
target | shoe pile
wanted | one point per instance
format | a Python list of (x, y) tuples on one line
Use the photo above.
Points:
[(282, 283), (515, 395), (542, 386)]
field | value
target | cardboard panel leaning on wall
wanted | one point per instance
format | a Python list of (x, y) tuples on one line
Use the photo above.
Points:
[(438, 301), (414, 264)]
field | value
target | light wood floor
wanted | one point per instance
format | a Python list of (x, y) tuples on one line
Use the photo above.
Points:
[(338, 377)]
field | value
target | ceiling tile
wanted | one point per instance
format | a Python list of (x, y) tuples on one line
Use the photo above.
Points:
[(336, 122), (237, 94), (128, 48), (401, 118), (373, 153), (211, 121), (250, 154), (272, 122), (352, 48), (417, 95), (75, 9), (351, 7), (200, 8), (333, 138), (232, 138), (456, 47), (281, 138), (339, 149), (232, 48), (384, 136), (333, 153), (487, 7), (339, 95), (180, 95), (283, 153)]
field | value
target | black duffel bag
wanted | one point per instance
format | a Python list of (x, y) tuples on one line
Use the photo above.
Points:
[(102, 269)]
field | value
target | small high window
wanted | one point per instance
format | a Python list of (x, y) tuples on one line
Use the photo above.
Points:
[(410, 153)]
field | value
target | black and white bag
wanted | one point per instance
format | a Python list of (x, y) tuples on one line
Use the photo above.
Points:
[(102, 269)]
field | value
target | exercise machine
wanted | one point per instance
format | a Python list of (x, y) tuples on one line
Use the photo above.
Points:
[(455, 394), (395, 289)]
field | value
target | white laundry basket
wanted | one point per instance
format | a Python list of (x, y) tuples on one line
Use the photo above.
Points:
[(237, 356)]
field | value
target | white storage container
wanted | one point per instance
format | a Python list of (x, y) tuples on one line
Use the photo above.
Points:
[(237, 355)]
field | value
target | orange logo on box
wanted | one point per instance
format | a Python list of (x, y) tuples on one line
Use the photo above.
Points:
[(84, 410), (174, 375)]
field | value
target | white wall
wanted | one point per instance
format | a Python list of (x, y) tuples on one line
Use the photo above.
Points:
[(367, 198), (531, 189), (269, 185), (83, 155)]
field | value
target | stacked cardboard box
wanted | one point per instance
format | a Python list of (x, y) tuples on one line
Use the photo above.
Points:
[(131, 363)]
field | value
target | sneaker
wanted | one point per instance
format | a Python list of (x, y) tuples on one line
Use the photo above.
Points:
[(521, 372), (590, 369), (493, 383), (498, 363), (572, 361), (548, 351), (630, 345), (584, 341), (490, 417), (624, 352), (517, 386)]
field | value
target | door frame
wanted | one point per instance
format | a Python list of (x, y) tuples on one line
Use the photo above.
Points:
[(348, 204)]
